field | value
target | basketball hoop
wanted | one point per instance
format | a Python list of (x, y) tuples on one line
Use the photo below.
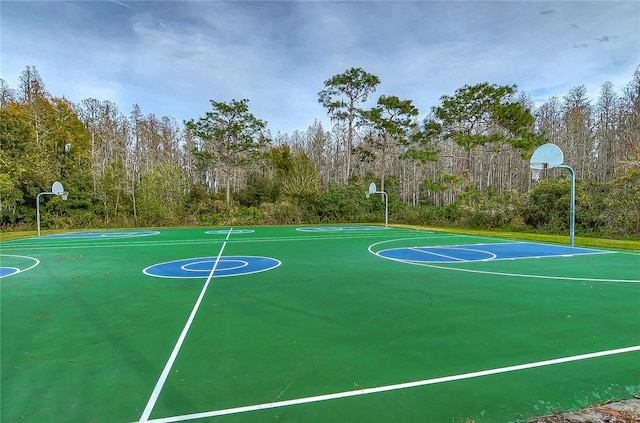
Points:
[(56, 189), (374, 190), (549, 156), (535, 170), (367, 194)]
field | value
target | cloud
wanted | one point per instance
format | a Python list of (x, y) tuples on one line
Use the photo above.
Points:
[(120, 3), (172, 57)]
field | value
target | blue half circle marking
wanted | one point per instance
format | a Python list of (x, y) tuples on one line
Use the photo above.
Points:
[(201, 267), (227, 231), (341, 228), (126, 234)]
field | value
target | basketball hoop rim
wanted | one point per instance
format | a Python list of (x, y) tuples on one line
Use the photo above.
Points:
[(539, 166)]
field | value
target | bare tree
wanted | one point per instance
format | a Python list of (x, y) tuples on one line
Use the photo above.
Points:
[(109, 132), (7, 95), (606, 135), (630, 125), (578, 143)]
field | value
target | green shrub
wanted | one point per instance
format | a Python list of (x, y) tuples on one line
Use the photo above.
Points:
[(281, 213), (488, 208)]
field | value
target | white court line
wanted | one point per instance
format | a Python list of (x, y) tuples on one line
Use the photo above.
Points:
[(517, 275), (491, 256), (203, 241), (35, 260), (366, 391), (431, 253), (174, 354)]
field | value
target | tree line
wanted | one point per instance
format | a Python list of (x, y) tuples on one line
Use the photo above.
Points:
[(466, 163)]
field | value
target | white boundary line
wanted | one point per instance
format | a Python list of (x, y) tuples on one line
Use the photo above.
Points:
[(17, 245), (174, 354), (519, 275), (395, 387)]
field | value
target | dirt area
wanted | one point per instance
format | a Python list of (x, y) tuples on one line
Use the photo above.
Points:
[(625, 411)]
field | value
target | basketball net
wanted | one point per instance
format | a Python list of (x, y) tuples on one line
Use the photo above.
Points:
[(535, 170), (535, 175)]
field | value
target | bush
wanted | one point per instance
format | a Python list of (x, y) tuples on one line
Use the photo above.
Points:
[(282, 213), (339, 203), (421, 215), (244, 216), (488, 209), (612, 208), (260, 189), (548, 206)]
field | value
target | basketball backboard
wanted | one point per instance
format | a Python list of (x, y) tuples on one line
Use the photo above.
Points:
[(57, 188), (547, 156)]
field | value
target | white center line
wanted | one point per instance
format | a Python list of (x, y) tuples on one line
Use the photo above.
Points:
[(174, 354)]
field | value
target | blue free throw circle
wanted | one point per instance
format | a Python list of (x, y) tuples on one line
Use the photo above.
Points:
[(227, 231), (102, 234), (341, 228), (201, 267)]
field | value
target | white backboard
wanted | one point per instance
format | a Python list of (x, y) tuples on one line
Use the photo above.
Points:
[(57, 188), (547, 156)]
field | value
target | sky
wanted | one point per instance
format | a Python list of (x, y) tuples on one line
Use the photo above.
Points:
[(172, 57)]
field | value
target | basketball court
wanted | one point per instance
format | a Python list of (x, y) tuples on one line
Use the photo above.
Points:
[(312, 324)]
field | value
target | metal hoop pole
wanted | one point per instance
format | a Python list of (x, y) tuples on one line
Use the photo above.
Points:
[(38, 207), (386, 206), (386, 209), (572, 210)]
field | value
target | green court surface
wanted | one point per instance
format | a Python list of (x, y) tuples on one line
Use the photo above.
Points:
[(328, 324)]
